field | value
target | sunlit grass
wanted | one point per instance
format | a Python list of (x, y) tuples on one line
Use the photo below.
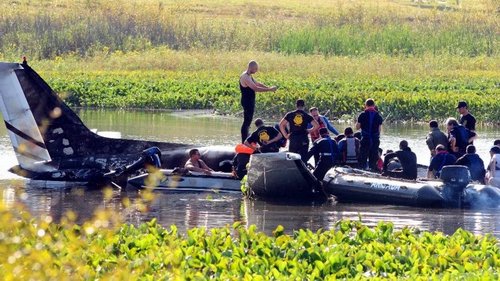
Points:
[(45, 29)]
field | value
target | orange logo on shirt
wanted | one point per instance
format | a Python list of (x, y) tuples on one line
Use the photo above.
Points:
[(298, 120), (264, 136)]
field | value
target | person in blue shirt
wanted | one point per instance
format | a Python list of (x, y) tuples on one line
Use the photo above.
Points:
[(327, 152), (442, 158), (323, 123)]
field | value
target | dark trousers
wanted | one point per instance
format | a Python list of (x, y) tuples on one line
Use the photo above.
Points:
[(368, 150), (248, 110), (240, 164), (273, 147), (322, 168), (299, 144)]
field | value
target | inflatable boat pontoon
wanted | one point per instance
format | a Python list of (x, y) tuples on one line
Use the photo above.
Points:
[(453, 190), (169, 180)]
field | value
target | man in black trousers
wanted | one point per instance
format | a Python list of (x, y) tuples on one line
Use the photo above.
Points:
[(298, 136), (370, 123)]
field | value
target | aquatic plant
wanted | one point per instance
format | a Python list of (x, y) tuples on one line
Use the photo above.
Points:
[(398, 99), (105, 249)]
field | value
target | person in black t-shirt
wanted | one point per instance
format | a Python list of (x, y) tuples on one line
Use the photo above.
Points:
[(266, 137), (474, 163), (466, 118), (408, 161), (370, 123), (297, 122)]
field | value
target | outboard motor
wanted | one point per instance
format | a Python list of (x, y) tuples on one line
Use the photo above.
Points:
[(455, 179)]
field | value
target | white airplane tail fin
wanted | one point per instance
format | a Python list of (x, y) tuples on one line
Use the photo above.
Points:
[(22, 128)]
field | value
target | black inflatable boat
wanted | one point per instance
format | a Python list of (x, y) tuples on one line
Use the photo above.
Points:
[(453, 190), (281, 175)]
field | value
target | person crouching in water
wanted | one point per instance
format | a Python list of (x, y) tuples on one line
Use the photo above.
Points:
[(267, 137), (349, 149), (327, 151), (408, 161), (195, 164)]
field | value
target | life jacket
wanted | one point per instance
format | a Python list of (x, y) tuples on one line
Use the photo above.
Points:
[(369, 132), (349, 151), (241, 148), (315, 134)]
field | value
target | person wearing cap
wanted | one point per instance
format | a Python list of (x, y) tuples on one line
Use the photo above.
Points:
[(496, 143), (475, 164), (370, 123), (323, 123), (248, 88), (435, 137), (466, 118), (349, 149), (442, 158), (493, 176), (266, 137), (407, 159), (297, 122), (459, 137), (326, 150)]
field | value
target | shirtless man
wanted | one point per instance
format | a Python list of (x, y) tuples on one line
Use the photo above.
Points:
[(195, 164), (248, 88)]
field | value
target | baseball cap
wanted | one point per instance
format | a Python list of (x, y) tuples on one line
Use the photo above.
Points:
[(495, 150), (461, 104)]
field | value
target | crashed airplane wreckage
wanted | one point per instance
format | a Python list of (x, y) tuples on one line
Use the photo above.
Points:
[(53, 144)]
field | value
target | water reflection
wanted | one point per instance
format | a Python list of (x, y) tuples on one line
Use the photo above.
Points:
[(216, 210)]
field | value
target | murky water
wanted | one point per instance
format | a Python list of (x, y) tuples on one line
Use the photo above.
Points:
[(212, 210)]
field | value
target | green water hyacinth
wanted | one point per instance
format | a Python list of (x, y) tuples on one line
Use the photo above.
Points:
[(419, 99), (39, 249)]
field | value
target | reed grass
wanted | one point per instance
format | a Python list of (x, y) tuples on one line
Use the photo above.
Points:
[(49, 28)]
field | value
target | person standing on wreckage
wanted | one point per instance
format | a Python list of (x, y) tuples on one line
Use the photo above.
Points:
[(248, 88)]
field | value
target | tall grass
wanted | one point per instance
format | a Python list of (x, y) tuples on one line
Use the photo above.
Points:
[(49, 28)]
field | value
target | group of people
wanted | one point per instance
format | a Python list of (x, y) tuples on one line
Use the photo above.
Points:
[(360, 149), (457, 148)]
